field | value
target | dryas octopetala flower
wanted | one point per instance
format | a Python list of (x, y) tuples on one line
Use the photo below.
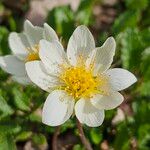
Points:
[(25, 47), (80, 81)]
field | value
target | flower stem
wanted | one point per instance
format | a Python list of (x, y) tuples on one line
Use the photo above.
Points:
[(85, 142), (55, 137)]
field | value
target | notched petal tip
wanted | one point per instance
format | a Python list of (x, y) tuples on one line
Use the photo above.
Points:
[(83, 27), (111, 38), (27, 22), (111, 41), (27, 25)]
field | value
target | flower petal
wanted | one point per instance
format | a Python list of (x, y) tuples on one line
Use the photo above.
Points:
[(22, 80), (11, 64), (80, 44), (120, 78), (49, 33), (18, 43), (33, 33), (111, 101), (52, 55), (102, 57), (37, 74), (88, 114), (58, 108)]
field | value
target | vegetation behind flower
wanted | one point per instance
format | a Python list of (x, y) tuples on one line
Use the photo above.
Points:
[(126, 128)]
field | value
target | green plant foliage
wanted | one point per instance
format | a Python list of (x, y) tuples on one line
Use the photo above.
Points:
[(63, 19), (128, 19), (7, 142), (3, 40), (24, 135), (39, 139), (136, 4), (5, 109), (96, 136)]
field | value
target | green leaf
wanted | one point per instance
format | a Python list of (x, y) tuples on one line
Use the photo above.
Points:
[(21, 100), (34, 117), (24, 135), (122, 140), (61, 19), (4, 49), (12, 23), (9, 127), (146, 37), (39, 139), (7, 142), (96, 136), (145, 64), (85, 12), (128, 19), (144, 136), (144, 88), (78, 147), (141, 107), (136, 4), (132, 47), (5, 109)]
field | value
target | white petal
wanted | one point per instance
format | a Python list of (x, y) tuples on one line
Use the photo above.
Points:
[(111, 101), (22, 80), (37, 74), (103, 56), (11, 64), (33, 33), (58, 108), (80, 44), (52, 55), (18, 43), (49, 33), (120, 78), (88, 114)]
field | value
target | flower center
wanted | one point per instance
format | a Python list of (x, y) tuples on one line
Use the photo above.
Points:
[(80, 82), (33, 53)]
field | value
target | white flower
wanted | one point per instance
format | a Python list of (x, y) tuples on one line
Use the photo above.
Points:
[(79, 81), (25, 47)]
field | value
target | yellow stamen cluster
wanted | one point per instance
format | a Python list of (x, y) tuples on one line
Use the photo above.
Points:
[(80, 82), (33, 53)]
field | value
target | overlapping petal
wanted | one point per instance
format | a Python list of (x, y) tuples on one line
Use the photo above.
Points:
[(49, 34), (120, 78), (18, 43), (22, 79), (11, 64), (88, 114), (58, 108), (107, 102), (52, 55), (33, 33), (37, 74), (102, 57), (81, 43)]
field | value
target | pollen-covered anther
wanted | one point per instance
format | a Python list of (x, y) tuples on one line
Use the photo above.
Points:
[(80, 82), (33, 53)]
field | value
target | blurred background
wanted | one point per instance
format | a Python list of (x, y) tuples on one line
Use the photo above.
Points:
[(124, 128)]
